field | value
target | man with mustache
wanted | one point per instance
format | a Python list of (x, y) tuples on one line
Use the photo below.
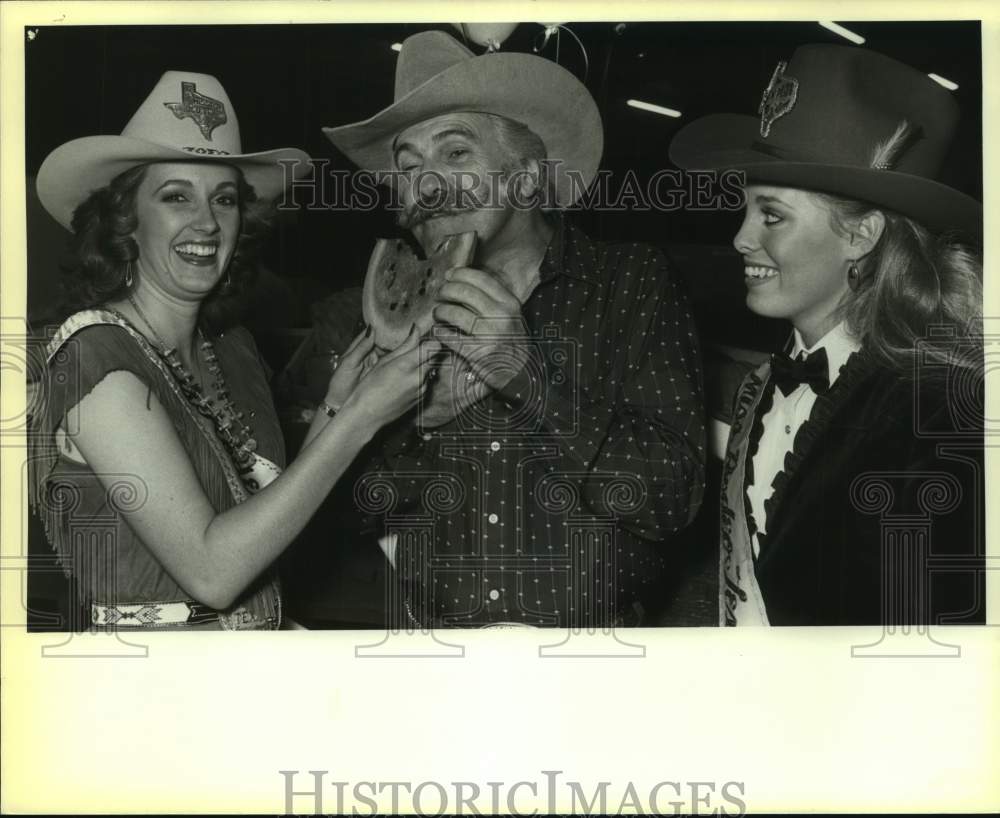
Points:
[(564, 438)]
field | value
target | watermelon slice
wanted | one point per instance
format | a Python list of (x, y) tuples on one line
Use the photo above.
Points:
[(401, 289)]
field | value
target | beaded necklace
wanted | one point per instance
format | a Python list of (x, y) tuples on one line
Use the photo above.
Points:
[(235, 435)]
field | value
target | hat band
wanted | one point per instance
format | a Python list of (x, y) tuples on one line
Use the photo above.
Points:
[(782, 153), (807, 158), (206, 151)]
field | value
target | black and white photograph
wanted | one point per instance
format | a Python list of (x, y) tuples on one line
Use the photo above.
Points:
[(566, 325), (594, 337)]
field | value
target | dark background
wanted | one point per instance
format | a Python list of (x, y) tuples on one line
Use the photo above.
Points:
[(287, 81)]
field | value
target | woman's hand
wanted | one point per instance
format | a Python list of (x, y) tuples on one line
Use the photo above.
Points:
[(352, 366), (395, 383)]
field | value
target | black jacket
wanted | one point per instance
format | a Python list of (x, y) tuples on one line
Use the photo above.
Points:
[(887, 469)]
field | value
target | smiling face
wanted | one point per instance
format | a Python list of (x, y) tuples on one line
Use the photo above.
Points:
[(456, 159), (795, 264), (188, 224)]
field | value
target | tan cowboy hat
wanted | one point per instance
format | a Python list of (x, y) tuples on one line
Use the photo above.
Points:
[(435, 74), (186, 117), (821, 121)]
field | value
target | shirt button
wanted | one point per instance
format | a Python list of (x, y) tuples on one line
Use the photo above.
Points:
[(494, 446), (788, 429), (494, 595), (493, 518)]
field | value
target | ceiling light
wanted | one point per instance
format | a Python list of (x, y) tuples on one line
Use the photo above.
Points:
[(951, 86), (847, 34), (656, 109)]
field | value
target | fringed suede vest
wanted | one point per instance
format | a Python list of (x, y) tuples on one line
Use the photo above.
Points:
[(84, 515)]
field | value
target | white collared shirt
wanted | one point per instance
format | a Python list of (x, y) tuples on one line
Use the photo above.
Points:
[(786, 415)]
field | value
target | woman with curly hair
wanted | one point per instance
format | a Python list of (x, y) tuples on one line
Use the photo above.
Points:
[(158, 462), (852, 482)]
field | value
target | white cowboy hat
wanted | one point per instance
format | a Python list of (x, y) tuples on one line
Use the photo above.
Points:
[(186, 117), (435, 74)]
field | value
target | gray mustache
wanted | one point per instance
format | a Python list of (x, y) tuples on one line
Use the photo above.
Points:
[(424, 210)]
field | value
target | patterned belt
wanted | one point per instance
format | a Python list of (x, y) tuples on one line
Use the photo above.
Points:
[(152, 614)]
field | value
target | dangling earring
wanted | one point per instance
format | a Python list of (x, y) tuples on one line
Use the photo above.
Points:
[(128, 276), (853, 276), (227, 282)]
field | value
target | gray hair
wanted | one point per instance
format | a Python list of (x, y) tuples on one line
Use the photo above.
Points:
[(521, 145)]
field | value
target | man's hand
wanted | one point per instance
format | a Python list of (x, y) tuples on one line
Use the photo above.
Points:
[(492, 337), (452, 390)]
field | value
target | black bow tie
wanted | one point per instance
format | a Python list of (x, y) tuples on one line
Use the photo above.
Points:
[(813, 369)]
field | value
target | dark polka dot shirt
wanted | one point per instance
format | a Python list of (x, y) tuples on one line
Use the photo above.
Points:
[(548, 503)]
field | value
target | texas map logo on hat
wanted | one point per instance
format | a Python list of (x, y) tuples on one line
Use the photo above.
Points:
[(207, 113), (186, 117)]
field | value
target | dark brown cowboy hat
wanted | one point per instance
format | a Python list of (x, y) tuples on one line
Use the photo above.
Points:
[(436, 74), (830, 120)]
